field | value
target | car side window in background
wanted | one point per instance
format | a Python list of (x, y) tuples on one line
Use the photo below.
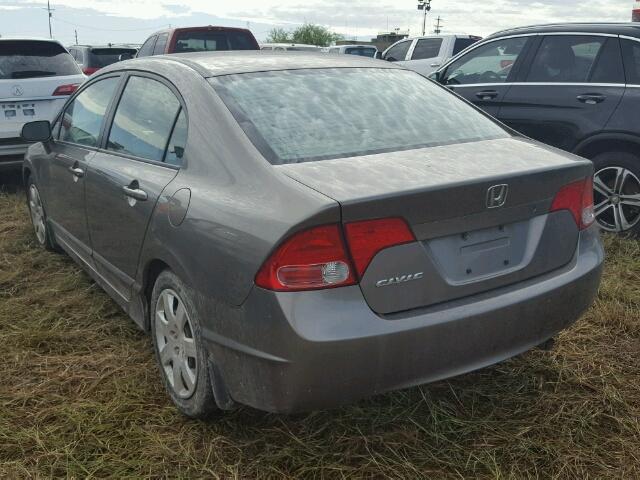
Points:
[(399, 52), (161, 43), (147, 48), (211, 40), (144, 119), (565, 59), (427, 48), (462, 43), (631, 53), (609, 67), (178, 142), (489, 63), (81, 121)]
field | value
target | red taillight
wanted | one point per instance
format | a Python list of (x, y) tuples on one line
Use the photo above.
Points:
[(89, 70), (309, 260), (369, 237), (65, 89), (577, 197)]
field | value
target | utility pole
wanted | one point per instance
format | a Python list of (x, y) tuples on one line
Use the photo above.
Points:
[(424, 5), (437, 26), (50, 12), (76, 32)]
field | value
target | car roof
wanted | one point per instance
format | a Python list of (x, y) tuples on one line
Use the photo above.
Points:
[(199, 28), (630, 29), (113, 45), (30, 39), (212, 64)]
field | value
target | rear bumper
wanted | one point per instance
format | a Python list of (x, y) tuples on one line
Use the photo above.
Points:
[(316, 350)]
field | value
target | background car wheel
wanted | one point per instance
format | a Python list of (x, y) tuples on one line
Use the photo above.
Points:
[(177, 341), (39, 217), (617, 192)]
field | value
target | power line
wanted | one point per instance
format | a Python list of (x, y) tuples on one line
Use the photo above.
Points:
[(58, 19)]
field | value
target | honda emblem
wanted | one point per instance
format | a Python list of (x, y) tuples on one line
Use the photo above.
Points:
[(497, 196)]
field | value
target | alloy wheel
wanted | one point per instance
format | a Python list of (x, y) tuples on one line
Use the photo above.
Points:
[(616, 199), (176, 343), (37, 214)]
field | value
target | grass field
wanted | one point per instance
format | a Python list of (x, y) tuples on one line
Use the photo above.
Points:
[(80, 396)]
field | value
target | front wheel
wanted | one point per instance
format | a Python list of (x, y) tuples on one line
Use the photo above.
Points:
[(616, 193), (179, 350)]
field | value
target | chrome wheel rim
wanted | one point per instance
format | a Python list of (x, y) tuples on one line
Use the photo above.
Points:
[(37, 214), (616, 192), (176, 344)]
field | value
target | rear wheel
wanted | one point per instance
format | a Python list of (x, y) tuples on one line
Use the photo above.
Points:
[(39, 217), (180, 353), (617, 192)]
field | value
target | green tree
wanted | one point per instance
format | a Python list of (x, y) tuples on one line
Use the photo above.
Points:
[(314, 35), (279, 35)]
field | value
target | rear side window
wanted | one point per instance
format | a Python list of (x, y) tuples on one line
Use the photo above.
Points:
[(178, 142), (609, 67), (144, 119), (213, 40), (309, 115), (565, 59), (102, 57), (147, 47), (161, 43), (631, 52), (462, 43), (81, 121), (32, 58), (398, 53), (427, 48)]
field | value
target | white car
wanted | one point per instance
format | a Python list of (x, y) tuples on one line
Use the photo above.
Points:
[(426, 54), (361, 50), (289, 47), (36, 77)]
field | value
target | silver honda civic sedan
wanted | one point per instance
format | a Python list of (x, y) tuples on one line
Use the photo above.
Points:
[(301, 231)]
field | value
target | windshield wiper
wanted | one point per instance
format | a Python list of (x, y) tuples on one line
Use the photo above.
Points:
[(32, 73)]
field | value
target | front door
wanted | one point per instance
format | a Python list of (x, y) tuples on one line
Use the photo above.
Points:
[(76, 137), (570, 91), (482, 76), (126, 178)]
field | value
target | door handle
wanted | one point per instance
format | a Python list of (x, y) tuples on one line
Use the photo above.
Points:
[(591, 98), (435, 65), (135, 193), (487, 95), (77, 172)]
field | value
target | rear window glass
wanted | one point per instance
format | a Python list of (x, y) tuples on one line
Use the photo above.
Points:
[(363, 52), (462, 43), (102, 57), (304, 115), (207, 41), (30, 59)]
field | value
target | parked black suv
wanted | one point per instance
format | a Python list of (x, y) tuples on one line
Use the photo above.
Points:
[(573, 86)]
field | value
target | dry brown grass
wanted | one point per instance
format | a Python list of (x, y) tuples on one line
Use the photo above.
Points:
[(80, 396)]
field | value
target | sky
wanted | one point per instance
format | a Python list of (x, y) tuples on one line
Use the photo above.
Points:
[(131, 21)]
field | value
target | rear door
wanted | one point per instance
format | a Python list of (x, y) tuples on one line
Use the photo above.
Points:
[(127, 176), (483, 75), (569, 91), (427, 54), (76, 139)]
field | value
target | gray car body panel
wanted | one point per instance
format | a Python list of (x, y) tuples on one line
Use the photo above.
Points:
[(240, 208)]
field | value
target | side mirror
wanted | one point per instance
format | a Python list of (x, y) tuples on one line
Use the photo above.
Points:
[(38, 131), (390, 59), (435, 76), (124, 56)]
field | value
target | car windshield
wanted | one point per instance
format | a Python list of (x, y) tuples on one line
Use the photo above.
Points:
[(363, 52), (32, 58), (207, 41), (305, 115), (102, 57)]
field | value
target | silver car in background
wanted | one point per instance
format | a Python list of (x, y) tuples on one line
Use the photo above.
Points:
[(301, 231)]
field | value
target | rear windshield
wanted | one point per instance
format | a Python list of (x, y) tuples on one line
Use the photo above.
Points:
[(102, 57), (363, 52), (305, 115), (29, 59), (207, 41)]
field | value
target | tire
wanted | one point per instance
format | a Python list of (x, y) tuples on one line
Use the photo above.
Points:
[(617, 192), (180, 353), (38, 215)]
